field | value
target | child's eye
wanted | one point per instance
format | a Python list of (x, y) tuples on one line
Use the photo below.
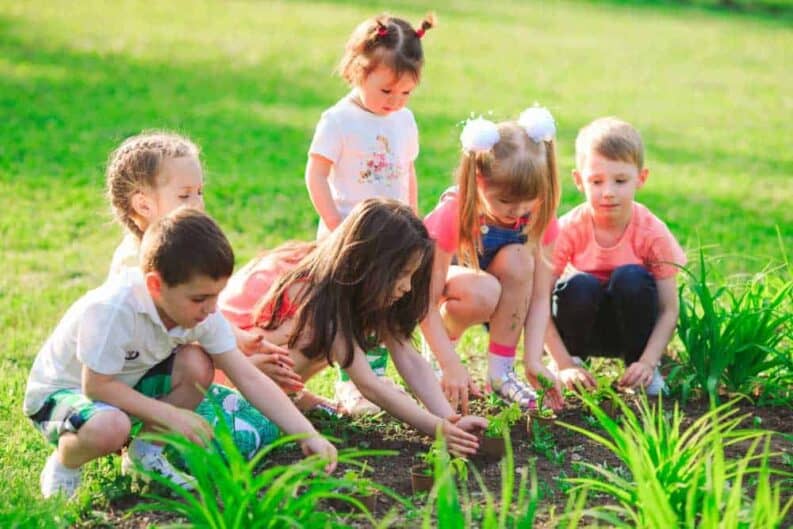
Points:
[(621, 180), (199, 300), (184, 197), (406, 93), (386, 91)]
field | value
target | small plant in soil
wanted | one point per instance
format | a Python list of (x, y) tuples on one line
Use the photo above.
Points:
[(423, 473), (498, 429), (542, 412)]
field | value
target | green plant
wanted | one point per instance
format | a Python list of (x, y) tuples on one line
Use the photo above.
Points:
[(231, 494), (730, 335), (674, 474), (545, 386), (503, 421), (438, 455)]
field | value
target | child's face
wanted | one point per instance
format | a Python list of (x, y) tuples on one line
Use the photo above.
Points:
[(404, 282), (505, 210), (382, 93), (180, 183), (609, 185), (186, 304)]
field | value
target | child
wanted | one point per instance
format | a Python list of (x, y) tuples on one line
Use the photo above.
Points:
[(143, 345), (622, 299), (500, 222), (148, 176), (368, 280), (366, 144)]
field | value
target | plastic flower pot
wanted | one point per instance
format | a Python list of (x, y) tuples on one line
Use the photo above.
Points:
[(492, 447), (545, 420), (421, 478)]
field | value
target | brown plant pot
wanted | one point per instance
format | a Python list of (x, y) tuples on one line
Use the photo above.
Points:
[(492, 447), (369, 500), (420, 481), (544, 420)]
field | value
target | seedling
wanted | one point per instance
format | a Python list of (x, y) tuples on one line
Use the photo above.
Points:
[(423, 474), (502, 421), (542, 412)]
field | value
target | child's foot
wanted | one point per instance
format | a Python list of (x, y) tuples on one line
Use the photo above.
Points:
[(58, 479), (511, 390), (656, 385), (351, 400), (143, 457), (307, 402)]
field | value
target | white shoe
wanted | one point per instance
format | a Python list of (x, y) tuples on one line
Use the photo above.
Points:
[(351, 400), (511, 390), (152, 459), (656, 385), (58, 479)]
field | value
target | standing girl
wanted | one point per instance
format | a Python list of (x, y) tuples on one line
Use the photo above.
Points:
[(369, 280), (366, 144), (500, 222)]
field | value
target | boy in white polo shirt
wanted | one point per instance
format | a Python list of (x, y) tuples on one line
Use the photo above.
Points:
[(140, 346)]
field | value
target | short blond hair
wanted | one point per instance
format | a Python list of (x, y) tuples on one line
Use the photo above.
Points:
[(611, 138)]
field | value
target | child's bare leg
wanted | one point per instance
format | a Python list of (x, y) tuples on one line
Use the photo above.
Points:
[(470, 298), (191, 376), (513, 266), (104, 433)]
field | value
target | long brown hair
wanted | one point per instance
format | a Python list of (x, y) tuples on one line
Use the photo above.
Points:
[(349, 277), (521, 169)]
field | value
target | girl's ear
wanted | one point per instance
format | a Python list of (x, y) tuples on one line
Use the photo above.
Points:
[(579, 184), (143, 206), (154, 284)]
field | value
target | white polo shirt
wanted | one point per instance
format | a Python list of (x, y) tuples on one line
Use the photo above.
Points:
[(115, 330), (127, 255)]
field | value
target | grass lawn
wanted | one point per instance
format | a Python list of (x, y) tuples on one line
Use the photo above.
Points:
[(248, 81)]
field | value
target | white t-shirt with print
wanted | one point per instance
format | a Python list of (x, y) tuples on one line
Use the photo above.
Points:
[(371, 154), (115, 330), (127, 255)]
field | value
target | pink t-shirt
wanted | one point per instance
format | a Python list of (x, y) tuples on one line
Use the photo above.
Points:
[(646, 241), (443, 224)]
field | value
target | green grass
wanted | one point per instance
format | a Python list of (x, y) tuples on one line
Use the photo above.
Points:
[(248, 80)]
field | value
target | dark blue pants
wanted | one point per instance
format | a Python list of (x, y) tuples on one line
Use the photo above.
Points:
[(614, 319)]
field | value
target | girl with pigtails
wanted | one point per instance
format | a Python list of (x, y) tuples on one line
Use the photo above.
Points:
[(366, 144), (494, 233)]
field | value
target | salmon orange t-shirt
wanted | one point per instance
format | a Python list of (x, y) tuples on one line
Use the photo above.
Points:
[(646, 241)]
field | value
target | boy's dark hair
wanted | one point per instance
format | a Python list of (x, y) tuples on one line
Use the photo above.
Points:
[(184, 244), (349, 278)]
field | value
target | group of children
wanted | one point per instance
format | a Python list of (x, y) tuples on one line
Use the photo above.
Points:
[(172, 325)]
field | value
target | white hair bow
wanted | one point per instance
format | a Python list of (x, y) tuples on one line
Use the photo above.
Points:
[(538, 123), (479, 135)]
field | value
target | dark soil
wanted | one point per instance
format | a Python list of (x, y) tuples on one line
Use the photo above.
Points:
[(558, 459)]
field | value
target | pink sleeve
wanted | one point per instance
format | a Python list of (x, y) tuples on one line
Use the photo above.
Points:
[(551, 232), (237, 306), (443, 225), (665, 256)]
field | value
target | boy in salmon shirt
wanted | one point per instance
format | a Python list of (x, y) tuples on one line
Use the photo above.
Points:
[(618, 295)]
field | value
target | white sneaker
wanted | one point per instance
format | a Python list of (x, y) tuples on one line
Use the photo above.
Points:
[(511, 390), (58, 479), (352, 401), (135, 462), (656, 385)]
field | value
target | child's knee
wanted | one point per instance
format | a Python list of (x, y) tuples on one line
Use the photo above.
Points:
[(195, 366), (107, 431), (630, 281), (485, 293), (514, 264), (580, 290)]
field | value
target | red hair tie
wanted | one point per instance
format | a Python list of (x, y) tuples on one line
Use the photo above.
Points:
[(420, 32), (382, 31)]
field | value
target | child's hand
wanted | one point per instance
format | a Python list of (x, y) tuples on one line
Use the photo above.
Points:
[(554, 396), (317, 444), (472, 424), (457, 384), (459, 442), (189, 424), (577, 377), (638, 374), (278, 367)]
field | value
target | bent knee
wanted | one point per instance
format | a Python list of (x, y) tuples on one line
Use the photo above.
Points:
[(107, 431), (514, 264), (194, 365)]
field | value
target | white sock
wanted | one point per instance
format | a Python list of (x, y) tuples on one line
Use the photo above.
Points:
[(60, 468), (139, 448), (499, 366)]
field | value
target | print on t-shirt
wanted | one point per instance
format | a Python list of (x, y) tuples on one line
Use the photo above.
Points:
[(379, 166)]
